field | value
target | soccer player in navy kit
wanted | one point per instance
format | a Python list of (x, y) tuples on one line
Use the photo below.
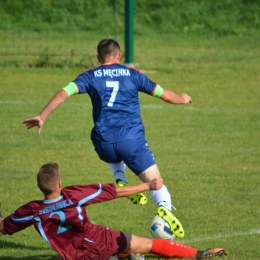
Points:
[(118, 133), (62, 221)]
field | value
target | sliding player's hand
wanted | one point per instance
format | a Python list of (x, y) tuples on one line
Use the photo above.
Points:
[(156, 184)]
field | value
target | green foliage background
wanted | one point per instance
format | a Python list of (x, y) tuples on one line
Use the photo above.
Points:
[(211, 17)]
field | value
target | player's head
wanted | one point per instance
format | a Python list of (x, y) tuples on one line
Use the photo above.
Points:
[(48, 178), (108, 50)]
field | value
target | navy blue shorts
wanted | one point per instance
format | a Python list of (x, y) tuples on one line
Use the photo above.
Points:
[(134, 152)]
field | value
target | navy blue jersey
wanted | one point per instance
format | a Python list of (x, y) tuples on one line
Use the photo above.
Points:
[(113, 90)]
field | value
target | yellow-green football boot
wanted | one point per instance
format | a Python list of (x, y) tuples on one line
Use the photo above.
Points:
[(138, 198), (174, 223)]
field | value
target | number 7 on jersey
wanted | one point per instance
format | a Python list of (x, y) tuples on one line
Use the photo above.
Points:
[(115, 86)]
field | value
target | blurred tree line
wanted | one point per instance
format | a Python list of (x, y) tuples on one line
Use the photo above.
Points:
[(216, 17)]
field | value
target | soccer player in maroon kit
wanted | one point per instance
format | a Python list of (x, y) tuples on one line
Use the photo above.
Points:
[(62, 221)]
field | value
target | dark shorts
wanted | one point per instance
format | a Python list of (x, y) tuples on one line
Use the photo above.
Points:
[(134, 152), (111, 242)]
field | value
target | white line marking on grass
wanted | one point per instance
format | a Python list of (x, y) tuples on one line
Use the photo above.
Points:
[(235, 234), (149, 106), (9, 102), (19, 102)]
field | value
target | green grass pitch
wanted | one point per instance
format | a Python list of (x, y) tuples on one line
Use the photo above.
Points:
[(207, 151)]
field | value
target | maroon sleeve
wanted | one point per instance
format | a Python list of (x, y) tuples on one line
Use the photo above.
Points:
[(91, 193), (22, 218), (108, 192)]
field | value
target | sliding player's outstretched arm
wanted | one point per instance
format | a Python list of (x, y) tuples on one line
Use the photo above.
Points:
[(125, 191)]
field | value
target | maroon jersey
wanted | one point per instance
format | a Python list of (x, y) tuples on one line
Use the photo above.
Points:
[(63, 223)]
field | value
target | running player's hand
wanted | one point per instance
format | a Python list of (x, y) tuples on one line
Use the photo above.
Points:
[(32, 122), (156, 184), (186, 98)]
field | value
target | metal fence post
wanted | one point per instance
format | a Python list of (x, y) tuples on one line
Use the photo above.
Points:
[(129, 32)]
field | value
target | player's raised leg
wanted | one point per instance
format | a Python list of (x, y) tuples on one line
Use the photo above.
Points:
[(118, 170), (110, 154), (162, 198)]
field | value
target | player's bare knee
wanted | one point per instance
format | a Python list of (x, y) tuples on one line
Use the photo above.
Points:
[(150, 173)]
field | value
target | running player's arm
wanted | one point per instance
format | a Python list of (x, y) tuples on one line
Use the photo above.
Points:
[(125, 191), (54, 102), (147, 86), (170, 96), (70, 90)]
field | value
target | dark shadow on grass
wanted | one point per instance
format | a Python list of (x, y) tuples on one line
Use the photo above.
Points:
[(11, 245), (147, 257), (8, 244), (36, 257)]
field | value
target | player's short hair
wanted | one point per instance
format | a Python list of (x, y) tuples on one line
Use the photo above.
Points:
[(48, 177), (107, 47)]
